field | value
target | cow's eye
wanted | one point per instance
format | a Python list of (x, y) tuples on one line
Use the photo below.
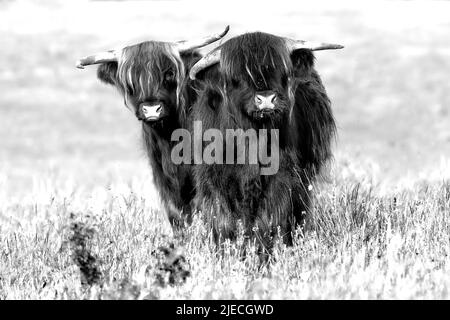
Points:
[(130, 90), (235, 82), (169, 76)]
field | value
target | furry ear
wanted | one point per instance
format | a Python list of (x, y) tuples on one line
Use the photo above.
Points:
[(107, 72), (303, 62)]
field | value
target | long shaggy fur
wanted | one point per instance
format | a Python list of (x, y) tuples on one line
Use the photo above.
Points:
[(266, 205), (140, 75)]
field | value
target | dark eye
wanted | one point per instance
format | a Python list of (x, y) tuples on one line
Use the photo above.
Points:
[(169, 76), (129, 90), (235, 82)]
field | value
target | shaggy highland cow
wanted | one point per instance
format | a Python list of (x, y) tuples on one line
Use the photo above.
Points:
[(261, 81), (153, 79)]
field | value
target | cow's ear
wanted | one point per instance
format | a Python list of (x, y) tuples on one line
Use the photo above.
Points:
[(107, 72), (303, 62)]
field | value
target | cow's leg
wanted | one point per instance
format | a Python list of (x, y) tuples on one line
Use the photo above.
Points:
[(285, 202)]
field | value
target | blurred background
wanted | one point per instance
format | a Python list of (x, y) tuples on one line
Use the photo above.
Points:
[(389, 86)]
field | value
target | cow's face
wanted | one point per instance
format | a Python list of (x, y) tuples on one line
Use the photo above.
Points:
[(149, 76), (257, 72)]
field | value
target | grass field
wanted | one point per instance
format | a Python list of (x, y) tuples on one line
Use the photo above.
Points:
[(79, 217)]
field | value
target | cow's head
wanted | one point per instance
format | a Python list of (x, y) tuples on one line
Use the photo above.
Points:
[(257, 72), (150, 75)]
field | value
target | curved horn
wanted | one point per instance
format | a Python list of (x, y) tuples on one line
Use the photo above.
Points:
[(198, 43), (208, 60), (101, 57), (310, 45)]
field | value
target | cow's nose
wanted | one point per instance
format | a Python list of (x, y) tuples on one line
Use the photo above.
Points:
[(265, 100), (151, 112)]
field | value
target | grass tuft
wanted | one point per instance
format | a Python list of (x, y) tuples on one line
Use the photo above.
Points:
[(82, 253)]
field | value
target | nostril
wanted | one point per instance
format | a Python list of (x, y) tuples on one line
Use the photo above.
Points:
[(266, 97), (159, 109)]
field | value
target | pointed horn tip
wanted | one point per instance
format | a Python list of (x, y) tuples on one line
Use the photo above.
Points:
[(79, 64), (224, 32), (332, 46)]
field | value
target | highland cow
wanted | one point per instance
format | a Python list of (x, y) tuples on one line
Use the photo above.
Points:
[(260, 81), (153, 79)]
